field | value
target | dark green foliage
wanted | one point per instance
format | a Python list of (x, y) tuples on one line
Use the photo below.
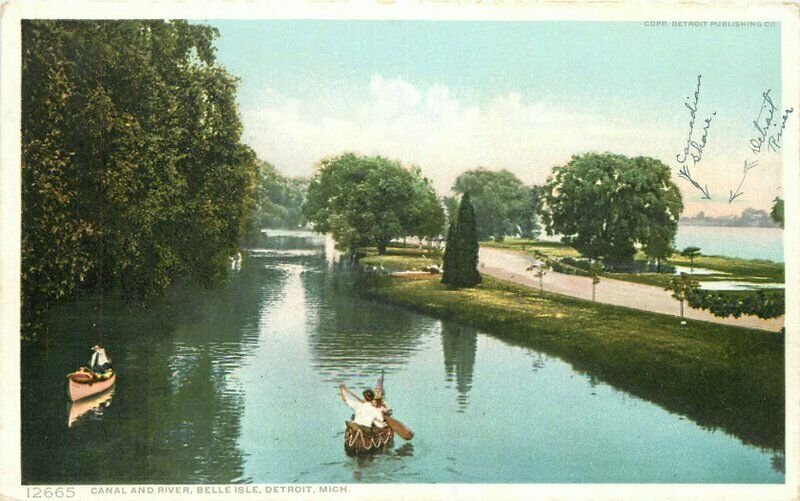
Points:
[(777, 211), (682, 286), (461, 253), (449, 259), (691, 252), (467, 274), (503, 205), (133, 173), (278, 200), (604, 204), (761, 303), (367, 201)]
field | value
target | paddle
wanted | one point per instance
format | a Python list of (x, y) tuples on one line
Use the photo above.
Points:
[(394, 424), (398, 427)]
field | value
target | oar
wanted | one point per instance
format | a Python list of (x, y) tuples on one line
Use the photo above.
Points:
[(399, 427)]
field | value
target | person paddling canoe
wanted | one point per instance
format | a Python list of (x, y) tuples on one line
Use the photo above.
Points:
[(371, 427), (367, 412)]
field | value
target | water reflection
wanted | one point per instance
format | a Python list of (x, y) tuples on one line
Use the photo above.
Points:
[(459, 344), (238, 384), (352, 337), (176, 412), (89, 407)]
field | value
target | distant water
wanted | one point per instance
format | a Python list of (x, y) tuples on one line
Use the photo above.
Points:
[(746, 243)]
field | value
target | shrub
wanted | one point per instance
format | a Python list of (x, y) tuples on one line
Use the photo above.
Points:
[(763, 304)]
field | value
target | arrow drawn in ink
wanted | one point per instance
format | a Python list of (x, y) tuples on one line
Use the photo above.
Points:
[(685, 174), (747, 167)]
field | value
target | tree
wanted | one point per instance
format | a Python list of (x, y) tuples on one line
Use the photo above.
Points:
[(691, 252), (605, 204), (503, 205), (369, 201), (540, 272), (596, 272), (777, 211), (427, 218), (461, 253), (133, 172), (681, 287), (467, 242), (278, 200), (450, 258), (460, 260)]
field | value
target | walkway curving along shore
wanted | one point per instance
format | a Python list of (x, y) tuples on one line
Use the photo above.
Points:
[(511, 265)]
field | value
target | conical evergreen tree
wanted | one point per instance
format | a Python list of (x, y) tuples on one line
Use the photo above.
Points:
[(466, 241), (450, 258)]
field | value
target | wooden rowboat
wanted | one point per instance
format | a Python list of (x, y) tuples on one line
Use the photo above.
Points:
[(362, 440), (84, 384)]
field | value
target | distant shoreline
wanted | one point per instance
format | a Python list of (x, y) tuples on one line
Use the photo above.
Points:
[(722, 223)]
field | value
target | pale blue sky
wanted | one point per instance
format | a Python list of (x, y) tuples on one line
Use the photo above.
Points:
[(450, 95)]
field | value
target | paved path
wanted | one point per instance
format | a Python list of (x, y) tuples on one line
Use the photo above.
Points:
[(510, 265)]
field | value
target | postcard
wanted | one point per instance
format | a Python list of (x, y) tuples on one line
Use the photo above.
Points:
[(399, 250)]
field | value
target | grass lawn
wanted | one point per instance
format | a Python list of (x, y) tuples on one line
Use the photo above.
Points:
[(740, 269), (552, 249), (401, 258), (719, 376), (744, 270)]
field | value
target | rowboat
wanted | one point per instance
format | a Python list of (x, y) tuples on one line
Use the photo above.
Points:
[(89, 406), (85, 383), (360, 440)]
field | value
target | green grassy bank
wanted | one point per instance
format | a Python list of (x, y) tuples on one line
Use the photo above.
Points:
[(729, 268), (719, 376)]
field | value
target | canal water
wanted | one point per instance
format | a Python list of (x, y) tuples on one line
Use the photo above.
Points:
[(239, 384)]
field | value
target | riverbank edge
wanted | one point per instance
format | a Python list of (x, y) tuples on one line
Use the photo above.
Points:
[(718, 376), (728, 268)]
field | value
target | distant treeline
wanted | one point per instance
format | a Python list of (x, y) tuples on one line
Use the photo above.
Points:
[(132, 166), (279, 200), (749, 217)]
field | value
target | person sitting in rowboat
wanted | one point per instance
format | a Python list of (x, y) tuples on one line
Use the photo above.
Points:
[(99, 362), (368, 413)]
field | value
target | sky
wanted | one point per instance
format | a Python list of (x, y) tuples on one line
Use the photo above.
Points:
[(450, 96)]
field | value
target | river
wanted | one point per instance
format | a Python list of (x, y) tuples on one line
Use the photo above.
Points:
[(741, 242), (239, 384)]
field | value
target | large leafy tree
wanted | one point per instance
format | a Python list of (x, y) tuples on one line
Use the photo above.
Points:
[(133, 172), (369, 201), (606, 204), (503, 204), (427, 211)]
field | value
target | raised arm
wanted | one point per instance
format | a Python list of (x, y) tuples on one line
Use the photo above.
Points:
[(349, 397)]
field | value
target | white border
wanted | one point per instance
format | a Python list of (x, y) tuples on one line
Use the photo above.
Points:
[(12, 11)]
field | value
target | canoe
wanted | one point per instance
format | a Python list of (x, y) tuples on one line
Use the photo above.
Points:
[(83, 384), (361, 440), (93, 405)]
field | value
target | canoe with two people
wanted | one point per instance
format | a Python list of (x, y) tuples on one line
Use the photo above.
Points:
[(371, 428), (97, 377)]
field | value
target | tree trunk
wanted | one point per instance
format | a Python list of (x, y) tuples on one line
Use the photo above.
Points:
[(593, 288), (681, 308), (382, 247)]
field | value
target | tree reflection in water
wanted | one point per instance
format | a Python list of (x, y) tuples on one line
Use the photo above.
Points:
[(176, 415), (459, 344), (351, 337)]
